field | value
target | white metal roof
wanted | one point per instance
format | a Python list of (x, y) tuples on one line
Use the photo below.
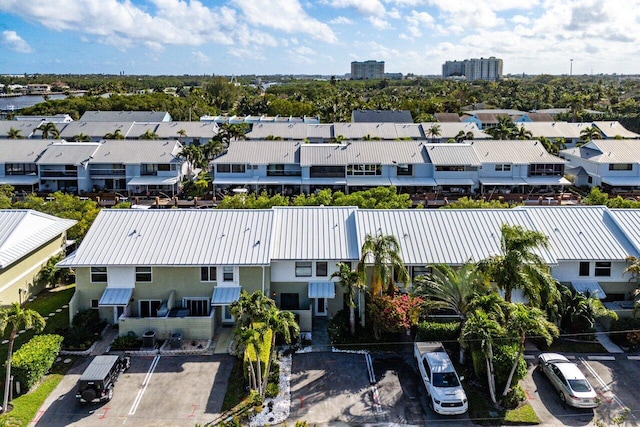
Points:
[(314, 233), (261, 152), (551, 129), (612, 129), (140, 151), (94, 129), (68, 153), (363, 152), (608, 151), (284, 130), (451, 129), (22, 150), (120, 237), (581, 233), (360, 130), (140, 128), (192, 129), (452, 155), (629, 222), (23, 231), (449, 236), (513, 152), (26, 128)]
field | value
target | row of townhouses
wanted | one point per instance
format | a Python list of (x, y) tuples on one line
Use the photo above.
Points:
[(178, 270), (293, 166)]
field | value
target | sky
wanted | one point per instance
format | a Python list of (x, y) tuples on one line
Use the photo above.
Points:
[(239, 37)]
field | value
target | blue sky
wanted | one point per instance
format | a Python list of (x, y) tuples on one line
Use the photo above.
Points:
[(316, 37)]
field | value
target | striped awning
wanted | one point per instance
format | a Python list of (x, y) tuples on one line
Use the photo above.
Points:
[(115, 297), (225, 295), (322, 289)]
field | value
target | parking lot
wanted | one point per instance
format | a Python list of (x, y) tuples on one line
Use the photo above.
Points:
[(167, 391)]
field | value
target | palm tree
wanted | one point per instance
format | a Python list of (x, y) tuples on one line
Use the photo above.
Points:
[(212, 149), (385, 252), (553, 147), (81, 137), (434, 132), (352, 282), (149, 134), (522, 133), (49, 129), (519, 267), (523, 321), (14, 133), (117, 134), (281, 322), (482, 330), (463, 136), (590, 133), (634, 269), (251, 338), (181, 134), (194, 157), (17, 318)]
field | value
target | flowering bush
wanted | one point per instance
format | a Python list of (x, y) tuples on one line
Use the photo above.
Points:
[(395, 313)]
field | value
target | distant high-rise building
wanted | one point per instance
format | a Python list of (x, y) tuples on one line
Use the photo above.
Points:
[(474, 69), (367, 70)]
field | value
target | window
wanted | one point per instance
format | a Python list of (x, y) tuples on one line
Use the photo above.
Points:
[(227, 274), (326, 172), (98, 274), (237, 168), (208, 274), (303, 269), (456, 168), (546, 169), (321, 269), (404, 170), (503, 168), (289, 301), (603, 269), (197, 306), (584, 269), (95, 303), (149, 307), (20, 169), (165, 167), (420, 271), (620, 167), (364, 170), (143, 274), (222, 168)]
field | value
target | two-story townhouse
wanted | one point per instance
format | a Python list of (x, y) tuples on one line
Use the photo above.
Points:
[(612, 164), (18, 163), (269, 165), (64, 166), (27, 240), (170, 271), (137, 167), (519, 166), (455, 167), (358, 165)]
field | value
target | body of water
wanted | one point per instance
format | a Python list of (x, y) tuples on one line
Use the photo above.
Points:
[(26, 101)]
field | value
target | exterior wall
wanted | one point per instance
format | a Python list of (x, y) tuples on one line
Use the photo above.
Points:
[(618, 283), (251, 279), (22, 274), (285, 271), (190, 327), (592, 168)]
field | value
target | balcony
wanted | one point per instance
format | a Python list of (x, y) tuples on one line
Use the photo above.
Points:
[(108, 172), (191, 327), (48, 174)]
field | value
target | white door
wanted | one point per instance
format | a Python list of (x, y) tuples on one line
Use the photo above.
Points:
[(321, 306)]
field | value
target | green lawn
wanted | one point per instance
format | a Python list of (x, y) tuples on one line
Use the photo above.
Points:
[(564, 346), (482, 412)]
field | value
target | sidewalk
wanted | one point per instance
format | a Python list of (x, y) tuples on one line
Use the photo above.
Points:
[(603, 338), (102, 345)]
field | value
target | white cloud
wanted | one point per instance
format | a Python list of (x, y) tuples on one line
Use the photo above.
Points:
[(365, 7), (520, 19), (341, 20), (13, 41), (284, 15), (200, 57), (418, 20), (379, 23)]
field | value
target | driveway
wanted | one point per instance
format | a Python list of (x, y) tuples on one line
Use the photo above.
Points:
[(167, 390)]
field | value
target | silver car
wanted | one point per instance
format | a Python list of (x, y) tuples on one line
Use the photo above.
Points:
[(568, 380)]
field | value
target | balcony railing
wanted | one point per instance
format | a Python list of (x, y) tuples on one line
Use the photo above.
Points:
[(58, 174), (108, 172)]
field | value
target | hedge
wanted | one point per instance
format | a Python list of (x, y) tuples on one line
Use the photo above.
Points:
[(34, 359), (436, 331)]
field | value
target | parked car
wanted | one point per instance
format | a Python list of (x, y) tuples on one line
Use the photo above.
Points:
[(446, 395), (568, 380), (98, 380)]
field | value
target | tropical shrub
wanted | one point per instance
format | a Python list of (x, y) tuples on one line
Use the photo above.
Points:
[(34, 359), (436, 331), (396, 313)]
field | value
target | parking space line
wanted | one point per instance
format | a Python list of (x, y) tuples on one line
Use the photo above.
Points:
[(605, 387), (601, 357), (145, 383), (633, 357)]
